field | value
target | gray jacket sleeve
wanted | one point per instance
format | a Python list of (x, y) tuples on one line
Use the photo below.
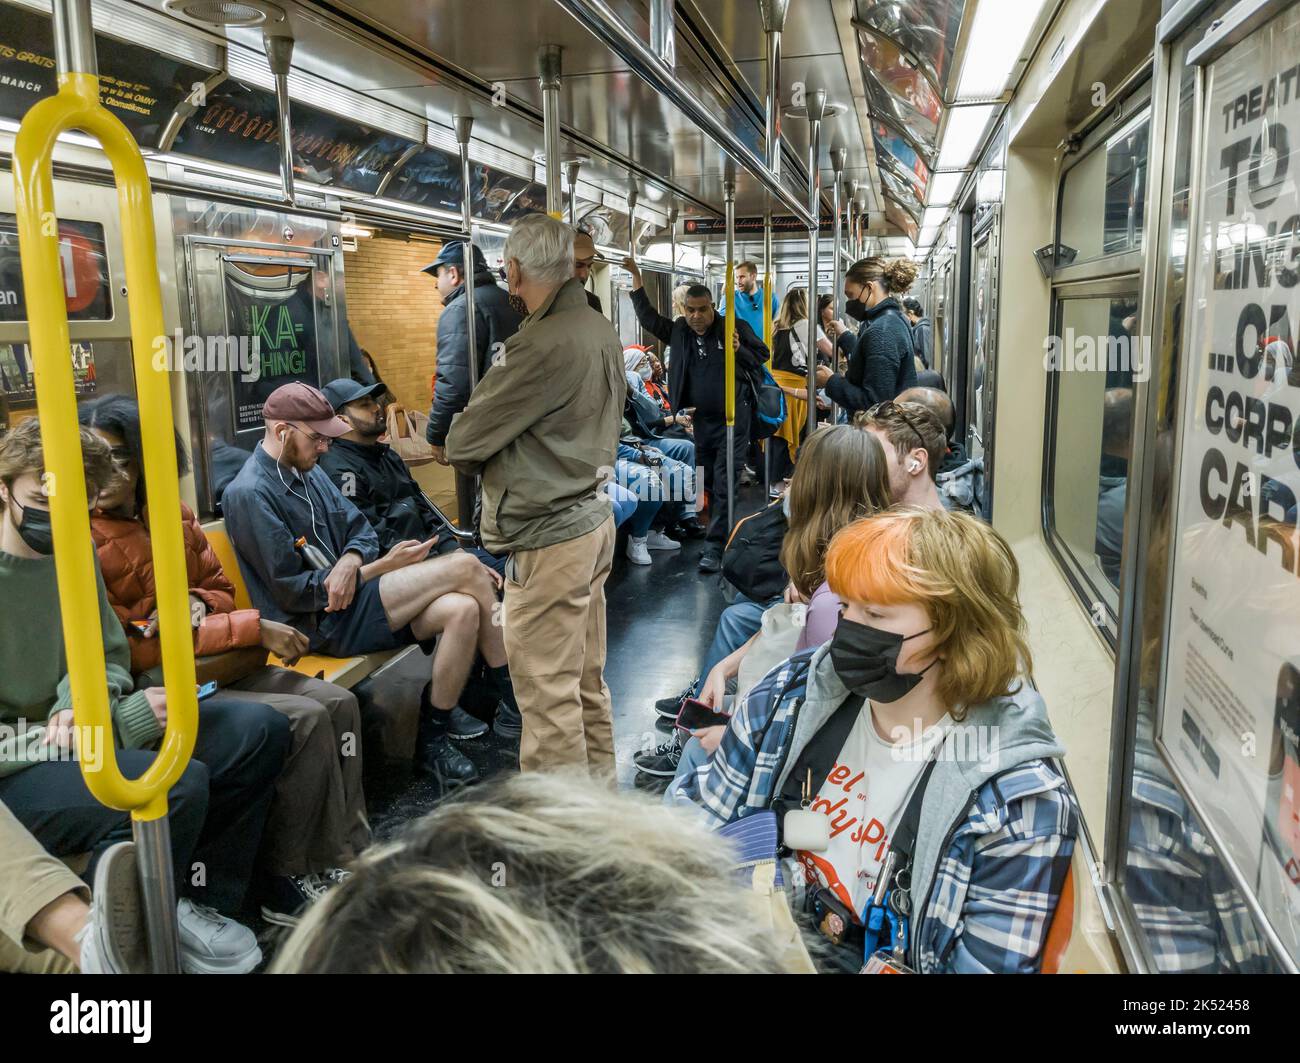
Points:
[(451, 391)]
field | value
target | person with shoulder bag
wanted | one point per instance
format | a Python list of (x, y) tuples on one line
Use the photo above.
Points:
[(909, 765)]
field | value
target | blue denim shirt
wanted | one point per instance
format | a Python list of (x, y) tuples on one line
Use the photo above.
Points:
[(267, 509)]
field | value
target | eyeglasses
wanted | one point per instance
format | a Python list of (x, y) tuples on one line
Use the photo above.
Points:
[(891, 408), (319, 440)]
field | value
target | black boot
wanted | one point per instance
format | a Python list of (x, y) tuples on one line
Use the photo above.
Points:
[(509, 722), (435, 755), (461, 726)]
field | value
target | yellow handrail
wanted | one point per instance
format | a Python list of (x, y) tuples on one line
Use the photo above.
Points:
[(767, 307), (728, 344), (76, 106)]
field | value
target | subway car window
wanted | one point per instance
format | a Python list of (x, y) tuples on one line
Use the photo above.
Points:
[(1104, 195)]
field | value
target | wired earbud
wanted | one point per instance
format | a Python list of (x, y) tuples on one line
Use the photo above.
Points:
[(306, 495)]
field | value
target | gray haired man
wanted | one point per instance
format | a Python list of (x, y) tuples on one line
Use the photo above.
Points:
[(541, 429)]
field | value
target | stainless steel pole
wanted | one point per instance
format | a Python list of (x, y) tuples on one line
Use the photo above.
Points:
[(74, 52), (816, 110), (467, 486), (672, 249), (838, 158), (768, 286), (548, 66), (571, 169), (632, 198), (773, 13), (662, 37), (729, 195), (279, 55)]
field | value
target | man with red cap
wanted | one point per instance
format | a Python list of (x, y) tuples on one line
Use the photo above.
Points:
[(312, 560)]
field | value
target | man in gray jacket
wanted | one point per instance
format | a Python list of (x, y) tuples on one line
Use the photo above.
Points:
[(495, 321), (541, 429)]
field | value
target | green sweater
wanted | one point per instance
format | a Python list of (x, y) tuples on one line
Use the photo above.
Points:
[(34, 668)]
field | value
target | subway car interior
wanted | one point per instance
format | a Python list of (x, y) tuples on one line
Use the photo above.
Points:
[(1048, 491)]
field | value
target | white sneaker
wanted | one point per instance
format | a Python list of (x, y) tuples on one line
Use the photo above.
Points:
[(213, 944), (636, 550), (113, 939), (657, 540)]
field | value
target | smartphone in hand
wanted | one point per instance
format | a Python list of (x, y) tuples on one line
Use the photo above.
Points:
[(695, 714)]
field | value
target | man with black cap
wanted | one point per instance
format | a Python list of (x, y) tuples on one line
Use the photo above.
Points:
[(496, 319), (370, 474), (311, 560)]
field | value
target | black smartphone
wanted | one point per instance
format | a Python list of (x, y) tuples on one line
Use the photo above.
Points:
[(695, 714)]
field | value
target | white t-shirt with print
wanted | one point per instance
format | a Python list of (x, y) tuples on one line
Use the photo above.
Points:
[(864, 797)]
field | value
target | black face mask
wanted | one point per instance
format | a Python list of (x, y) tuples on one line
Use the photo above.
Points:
[(34, 529), (865, 658), (856, 309)]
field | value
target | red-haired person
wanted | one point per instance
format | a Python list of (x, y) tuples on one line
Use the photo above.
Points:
[(922, 694)]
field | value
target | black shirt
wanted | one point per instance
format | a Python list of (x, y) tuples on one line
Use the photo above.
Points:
[(374, 479)]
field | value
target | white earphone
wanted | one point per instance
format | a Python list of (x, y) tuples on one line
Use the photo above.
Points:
[(914, 466)]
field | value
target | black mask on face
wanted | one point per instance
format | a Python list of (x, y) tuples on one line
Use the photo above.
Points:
[(34, 529), (856, 309), (866, 658)]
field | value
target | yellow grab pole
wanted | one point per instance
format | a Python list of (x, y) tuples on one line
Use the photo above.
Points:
[(76, 106)]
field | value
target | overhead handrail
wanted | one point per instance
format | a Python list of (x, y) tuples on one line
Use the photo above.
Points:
[(76, 106)]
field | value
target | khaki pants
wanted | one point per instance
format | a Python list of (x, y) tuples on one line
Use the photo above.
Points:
[(30, 878), (318, 815), (555, 642)]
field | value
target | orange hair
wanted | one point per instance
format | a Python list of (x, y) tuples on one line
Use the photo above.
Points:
[(965, 577)]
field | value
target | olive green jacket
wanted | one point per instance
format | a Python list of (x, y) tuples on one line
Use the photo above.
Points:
[(542, 427)]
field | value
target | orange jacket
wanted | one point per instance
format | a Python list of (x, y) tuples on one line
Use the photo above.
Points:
[(125, 559)]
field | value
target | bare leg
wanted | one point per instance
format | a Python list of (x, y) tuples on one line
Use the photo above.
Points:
[(455, 618), (407, 592), (58, 923)]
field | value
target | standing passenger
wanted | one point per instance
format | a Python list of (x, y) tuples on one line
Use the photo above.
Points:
[(749, 296), (541, 430), (882, 365), (697, 379), (922, 330), (495, 321), (584, 254)]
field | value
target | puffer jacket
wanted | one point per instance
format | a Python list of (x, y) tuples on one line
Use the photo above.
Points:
[(127, 563), (495, 321)]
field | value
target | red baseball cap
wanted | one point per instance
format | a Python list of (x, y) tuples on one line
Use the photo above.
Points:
[(302, 402)]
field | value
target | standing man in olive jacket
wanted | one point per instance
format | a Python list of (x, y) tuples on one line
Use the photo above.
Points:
[(541, 430), (495, 321)]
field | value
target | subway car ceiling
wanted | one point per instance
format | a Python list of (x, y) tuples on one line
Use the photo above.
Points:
[(375, 89)]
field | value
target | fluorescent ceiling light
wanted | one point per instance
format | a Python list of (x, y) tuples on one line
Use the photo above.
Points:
[(962, 135), (996, 40), (943, 188), (934, 217)]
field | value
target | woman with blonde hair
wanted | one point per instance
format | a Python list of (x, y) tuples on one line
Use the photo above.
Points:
[(789, 369), (882, 366), (922, 690)]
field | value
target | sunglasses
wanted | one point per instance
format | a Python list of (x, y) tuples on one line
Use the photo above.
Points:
[(891, 408)]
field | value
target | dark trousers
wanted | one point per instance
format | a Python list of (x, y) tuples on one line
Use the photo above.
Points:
[(216, 809), (711, 456)]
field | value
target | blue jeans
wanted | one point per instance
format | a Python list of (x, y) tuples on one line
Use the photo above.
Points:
[(682, 450), (623, 501), (672, 483), (641, 483), (738, 623)]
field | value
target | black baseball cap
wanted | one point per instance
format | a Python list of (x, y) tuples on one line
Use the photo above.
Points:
[(344, 390), (453, 254)]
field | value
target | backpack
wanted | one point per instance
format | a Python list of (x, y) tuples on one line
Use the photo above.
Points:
[(752, 560), (769, 406)]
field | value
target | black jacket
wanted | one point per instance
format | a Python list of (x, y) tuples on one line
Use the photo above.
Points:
[(923, 340), (375, 480), (495, 321), (881, 366), (677, 334)]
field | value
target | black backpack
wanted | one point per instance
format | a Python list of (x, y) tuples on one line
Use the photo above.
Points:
[(752, 560)]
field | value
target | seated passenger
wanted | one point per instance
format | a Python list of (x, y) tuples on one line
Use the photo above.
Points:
[(664, 488), (959, 479), (915, 443), (311, 560), (216, 810), (318, 817), (924, 690), (654, 418), (545, 873), (49, 920), (841, 478)]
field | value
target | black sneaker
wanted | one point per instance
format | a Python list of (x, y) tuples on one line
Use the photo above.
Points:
[(711, 561), (688, 529), (669, 707), (439, 758), (286, 897), (662, 763), (508, 724), (462, 727)]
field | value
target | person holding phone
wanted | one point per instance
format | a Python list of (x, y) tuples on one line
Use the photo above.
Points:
[(317, 822)]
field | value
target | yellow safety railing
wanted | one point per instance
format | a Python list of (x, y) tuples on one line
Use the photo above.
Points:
[(76, 106), (767, 307), (729, 345)]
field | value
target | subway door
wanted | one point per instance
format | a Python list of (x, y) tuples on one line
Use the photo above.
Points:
[(982, 339)]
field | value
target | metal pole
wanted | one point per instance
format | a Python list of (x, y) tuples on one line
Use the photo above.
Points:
[(632, 197), (548, 67), (571, 169), (661, 32), (74, 52), (279, 54), (773, 13), (467, 486), (672, 249), (816, 110), (838, 157), (729, 355), (767, 334), (602, 22)]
